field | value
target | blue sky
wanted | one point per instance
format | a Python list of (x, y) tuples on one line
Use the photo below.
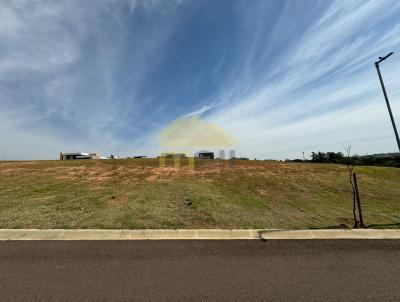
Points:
[(281, 77)]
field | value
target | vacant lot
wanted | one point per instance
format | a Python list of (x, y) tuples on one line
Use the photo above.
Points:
[(137, 193)]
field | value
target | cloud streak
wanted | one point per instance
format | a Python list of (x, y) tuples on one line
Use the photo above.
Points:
[(280, 77), (61, 73), (323, 92)]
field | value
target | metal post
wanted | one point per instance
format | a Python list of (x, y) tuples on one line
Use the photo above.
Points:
[(387, 99), (358, 201)]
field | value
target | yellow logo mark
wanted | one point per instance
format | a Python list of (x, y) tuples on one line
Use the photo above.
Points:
[(194, 132), (188, 133)]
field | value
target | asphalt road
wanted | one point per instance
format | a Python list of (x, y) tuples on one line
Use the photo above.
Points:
[(248, 270)]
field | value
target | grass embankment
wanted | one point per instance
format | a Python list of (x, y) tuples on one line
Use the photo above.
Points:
[(137, 193)]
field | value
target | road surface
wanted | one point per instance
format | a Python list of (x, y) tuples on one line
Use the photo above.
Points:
[(247, 270)]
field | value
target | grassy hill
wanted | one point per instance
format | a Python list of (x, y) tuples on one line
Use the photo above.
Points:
[(137, 193)]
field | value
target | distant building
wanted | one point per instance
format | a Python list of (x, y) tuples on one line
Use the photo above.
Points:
[(74, 155), (96, 156), (206, 155), (80, 155), (173, 155)]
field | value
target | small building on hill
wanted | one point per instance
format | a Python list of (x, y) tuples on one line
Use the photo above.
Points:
[(173, 155), (204, 154), (80, 155)]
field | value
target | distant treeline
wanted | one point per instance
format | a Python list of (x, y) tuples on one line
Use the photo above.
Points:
[(391, 160)]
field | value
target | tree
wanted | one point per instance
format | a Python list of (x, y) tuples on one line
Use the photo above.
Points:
[(319, 157), (349, 165), (333, 157)]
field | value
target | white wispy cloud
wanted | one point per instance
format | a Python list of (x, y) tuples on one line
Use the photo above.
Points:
[(202, 110), (294, 84), (323, 92), (59, 73)]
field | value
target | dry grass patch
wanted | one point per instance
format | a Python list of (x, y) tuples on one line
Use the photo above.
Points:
[(140, 194)]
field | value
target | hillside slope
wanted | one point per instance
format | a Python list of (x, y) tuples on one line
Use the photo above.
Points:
[(137, 193)]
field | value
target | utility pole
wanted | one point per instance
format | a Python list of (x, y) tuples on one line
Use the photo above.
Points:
[(386, 97)]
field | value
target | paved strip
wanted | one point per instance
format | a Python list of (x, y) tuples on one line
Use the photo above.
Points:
[(193, 234), (206, 270)]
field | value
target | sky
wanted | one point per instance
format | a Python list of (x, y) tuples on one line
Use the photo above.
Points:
[(280, 77)]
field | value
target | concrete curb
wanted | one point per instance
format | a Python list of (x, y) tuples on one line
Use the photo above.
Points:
[(194, 234)]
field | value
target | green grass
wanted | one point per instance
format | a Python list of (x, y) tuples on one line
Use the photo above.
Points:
[(137, 193)]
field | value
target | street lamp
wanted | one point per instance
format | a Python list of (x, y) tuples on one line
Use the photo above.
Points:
[(386, 97)]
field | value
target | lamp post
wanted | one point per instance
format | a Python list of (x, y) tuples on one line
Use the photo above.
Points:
[(386, 97)]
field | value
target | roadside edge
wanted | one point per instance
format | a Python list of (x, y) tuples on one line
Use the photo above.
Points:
[(194, 234)]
